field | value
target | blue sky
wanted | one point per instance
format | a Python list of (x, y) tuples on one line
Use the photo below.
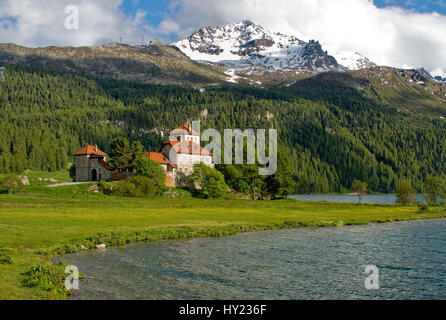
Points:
[(158, 10), (417, 5)]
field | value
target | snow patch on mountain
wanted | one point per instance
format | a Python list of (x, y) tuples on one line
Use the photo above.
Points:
[(232, 76), (246, 45), (353, 60)]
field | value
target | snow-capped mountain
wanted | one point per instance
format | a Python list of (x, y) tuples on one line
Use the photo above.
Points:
[(353, 60), (245, 45)]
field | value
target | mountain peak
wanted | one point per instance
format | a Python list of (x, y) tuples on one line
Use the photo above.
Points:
[(245, 45)]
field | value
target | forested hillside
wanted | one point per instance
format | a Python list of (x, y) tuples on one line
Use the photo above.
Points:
[(332, 132)]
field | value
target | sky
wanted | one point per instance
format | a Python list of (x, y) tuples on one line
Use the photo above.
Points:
[(398, 33)]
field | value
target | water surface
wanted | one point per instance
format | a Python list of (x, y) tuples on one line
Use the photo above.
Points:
[(326, 263), (370, 198)]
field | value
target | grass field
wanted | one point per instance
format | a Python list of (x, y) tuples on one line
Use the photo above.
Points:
[(43, 222)]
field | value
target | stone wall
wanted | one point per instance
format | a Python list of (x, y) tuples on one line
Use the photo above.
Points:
[(82, 168), (87, 167)]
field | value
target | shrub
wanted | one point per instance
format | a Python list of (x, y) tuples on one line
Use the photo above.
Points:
[(146, 187), (138, 186), (11, 183), (5, 258), (125, 188), (422, 206), (210, 181), (243, 187), (48, 278), (145, 167)]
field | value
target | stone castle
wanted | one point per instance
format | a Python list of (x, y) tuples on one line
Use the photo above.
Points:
[(177, 156)]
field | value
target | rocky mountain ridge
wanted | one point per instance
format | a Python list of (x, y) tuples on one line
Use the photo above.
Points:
[(246, 45), (153, 63)]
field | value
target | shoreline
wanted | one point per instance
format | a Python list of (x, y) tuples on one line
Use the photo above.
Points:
[(41, 229), (249, 229), (145, 258), (179, 234)]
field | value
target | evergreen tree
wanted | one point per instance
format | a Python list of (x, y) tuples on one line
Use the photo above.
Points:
[(120, 153)]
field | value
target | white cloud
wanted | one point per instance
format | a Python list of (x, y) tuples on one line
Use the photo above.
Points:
[(41, 22), (388, 36)]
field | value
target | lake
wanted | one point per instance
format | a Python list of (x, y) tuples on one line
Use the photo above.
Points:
[(325, 263), (370, 198)]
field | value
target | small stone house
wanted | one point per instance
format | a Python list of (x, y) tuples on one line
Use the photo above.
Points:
[(91, 165)]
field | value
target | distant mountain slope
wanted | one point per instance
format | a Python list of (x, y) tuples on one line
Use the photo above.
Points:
[(406, 91), (154, 63)]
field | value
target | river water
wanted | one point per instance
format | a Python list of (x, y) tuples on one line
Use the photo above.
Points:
[(370, 198), (325, 263)]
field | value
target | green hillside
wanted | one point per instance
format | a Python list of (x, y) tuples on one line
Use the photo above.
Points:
[(334, 131)]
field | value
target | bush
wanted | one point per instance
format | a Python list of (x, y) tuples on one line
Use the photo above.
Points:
[(243, 187), (125, 188), (145, 167), (138, 186), (210, 181), (11, 183), (422, 206), (146, 187), (48, 278), (5, 258)]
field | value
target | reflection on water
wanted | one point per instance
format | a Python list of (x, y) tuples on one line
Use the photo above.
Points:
[(288, 264), (371, 198)]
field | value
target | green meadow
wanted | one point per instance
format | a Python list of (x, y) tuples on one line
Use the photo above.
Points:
[(40, 222)]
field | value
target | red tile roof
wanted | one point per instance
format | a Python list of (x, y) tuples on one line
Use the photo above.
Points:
[(185, 129), (188, 147), (90, 150), (160, 158)]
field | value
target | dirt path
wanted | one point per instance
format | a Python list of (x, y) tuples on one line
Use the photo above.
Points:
[(65, 184)]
